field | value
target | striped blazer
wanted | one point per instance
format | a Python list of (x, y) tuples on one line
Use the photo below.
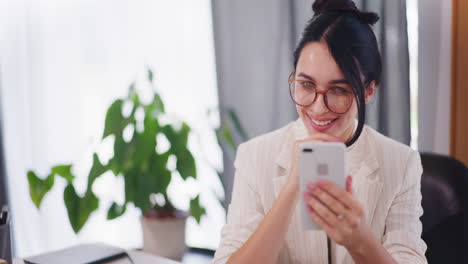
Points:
[(386, 181)]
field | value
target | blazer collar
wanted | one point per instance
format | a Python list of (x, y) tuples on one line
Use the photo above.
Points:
[(361, 156)]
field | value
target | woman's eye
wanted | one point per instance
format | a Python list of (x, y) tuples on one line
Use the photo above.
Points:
[(306, 84), (339, 90)]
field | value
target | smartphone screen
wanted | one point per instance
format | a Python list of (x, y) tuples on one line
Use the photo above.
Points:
[(319, 160)]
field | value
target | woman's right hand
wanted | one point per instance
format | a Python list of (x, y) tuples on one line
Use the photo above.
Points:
[(293, 178)]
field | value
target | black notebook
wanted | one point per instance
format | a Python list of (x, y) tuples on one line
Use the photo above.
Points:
[(82, 254)]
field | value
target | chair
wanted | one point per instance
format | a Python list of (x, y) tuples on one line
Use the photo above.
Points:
[(444, 188)]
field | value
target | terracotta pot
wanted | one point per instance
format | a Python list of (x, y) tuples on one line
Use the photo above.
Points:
[(164, 235)]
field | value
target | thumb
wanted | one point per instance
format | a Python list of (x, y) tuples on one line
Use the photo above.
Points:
[(349, 184)]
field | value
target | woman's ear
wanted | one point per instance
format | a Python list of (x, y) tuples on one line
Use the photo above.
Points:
[(370, 91)]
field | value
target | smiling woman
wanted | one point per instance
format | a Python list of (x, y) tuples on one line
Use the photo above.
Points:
[(375, 218)]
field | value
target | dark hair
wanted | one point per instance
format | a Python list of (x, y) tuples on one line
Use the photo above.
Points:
[(346, 31)]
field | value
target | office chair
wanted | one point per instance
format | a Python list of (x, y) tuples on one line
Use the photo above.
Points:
[(444, 188)]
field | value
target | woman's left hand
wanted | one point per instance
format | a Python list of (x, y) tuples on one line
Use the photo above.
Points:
[(337, 212)]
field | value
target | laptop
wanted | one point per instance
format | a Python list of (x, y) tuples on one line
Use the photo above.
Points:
[(93, 253)]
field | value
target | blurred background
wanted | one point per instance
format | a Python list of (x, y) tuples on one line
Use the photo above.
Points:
[(222, 67)]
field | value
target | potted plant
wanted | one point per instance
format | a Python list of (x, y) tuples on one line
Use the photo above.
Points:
[(144, 170)]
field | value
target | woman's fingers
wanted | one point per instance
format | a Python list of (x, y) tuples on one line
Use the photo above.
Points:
[(323, 196), (320, 221), (318, 198), (332, 213), (349, 184), (340, 194), (323, 211), (327, 220)]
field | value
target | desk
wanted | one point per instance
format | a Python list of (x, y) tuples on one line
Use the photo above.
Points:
[(138, 257), (192, 256)]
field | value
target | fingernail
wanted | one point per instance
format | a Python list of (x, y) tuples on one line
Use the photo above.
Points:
[(321, 182), (311, 186)]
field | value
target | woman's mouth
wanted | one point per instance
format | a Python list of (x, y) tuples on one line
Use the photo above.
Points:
[(322, 125)]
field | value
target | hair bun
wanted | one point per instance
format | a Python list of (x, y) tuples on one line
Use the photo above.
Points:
[(344, 6), (321, 6), (369, 17)]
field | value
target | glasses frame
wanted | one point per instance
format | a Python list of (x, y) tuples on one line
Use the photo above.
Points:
[(291, 79)]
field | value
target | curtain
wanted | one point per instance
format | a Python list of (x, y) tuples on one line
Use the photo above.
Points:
[(434, 61), (4, 181), (254, 41), (389, 111)]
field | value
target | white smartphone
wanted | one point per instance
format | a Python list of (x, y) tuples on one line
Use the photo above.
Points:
[(319, 160)]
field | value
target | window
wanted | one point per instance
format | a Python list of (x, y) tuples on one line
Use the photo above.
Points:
[(63, 63), (412, 17)]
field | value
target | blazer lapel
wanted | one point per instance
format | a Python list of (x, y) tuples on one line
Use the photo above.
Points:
[(367, 184)]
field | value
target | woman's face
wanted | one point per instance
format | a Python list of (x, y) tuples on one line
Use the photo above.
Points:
[(317, 65)]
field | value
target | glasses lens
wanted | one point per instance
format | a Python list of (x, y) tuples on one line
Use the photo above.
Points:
[(302, 92), (339, 100)]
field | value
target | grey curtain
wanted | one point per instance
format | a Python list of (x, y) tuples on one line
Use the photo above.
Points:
[(3, 178), (8, 250), (254, 41), (389, 111)]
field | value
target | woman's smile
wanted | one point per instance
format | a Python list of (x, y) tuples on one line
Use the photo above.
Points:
[(322, 124)]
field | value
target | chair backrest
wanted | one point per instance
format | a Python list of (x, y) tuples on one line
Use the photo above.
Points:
[(444, 188)]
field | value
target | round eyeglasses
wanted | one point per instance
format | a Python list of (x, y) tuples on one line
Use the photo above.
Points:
[(303, 92)]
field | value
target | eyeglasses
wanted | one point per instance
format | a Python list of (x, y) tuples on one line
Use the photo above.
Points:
[(303, 92)]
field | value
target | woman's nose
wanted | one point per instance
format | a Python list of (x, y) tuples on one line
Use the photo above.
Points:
[(319, 107)]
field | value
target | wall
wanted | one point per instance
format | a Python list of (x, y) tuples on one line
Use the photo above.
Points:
[(459, 128)]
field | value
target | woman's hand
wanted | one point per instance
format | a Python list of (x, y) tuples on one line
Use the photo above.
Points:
[(337, 212), (293, 180)]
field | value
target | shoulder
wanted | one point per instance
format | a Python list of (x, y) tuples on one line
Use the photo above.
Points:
[(387, 148), (266, 146), (394, 157)]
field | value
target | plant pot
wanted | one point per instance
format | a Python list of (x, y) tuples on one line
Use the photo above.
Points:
[(164, 235)]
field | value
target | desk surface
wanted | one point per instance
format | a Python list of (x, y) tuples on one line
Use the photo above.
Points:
[(138, 257)]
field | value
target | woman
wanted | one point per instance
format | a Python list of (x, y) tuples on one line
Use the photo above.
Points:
[(337, 67)]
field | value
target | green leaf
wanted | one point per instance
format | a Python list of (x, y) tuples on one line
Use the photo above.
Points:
[(159, 172), (113, 165), (131, 184), (156, 181), (145, 142), (96, 170), (39, 187), (64, 171), (155, 107), (144, 188), (177, 138), (226, 136), (237, 125), (196, 210), (131, 90), (186, 164), (136, 102), (123, 152), (79, 208), (116, 210), (150, 75), (115, 122)]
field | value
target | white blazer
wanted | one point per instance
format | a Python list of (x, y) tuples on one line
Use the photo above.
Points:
[(386, 180)]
